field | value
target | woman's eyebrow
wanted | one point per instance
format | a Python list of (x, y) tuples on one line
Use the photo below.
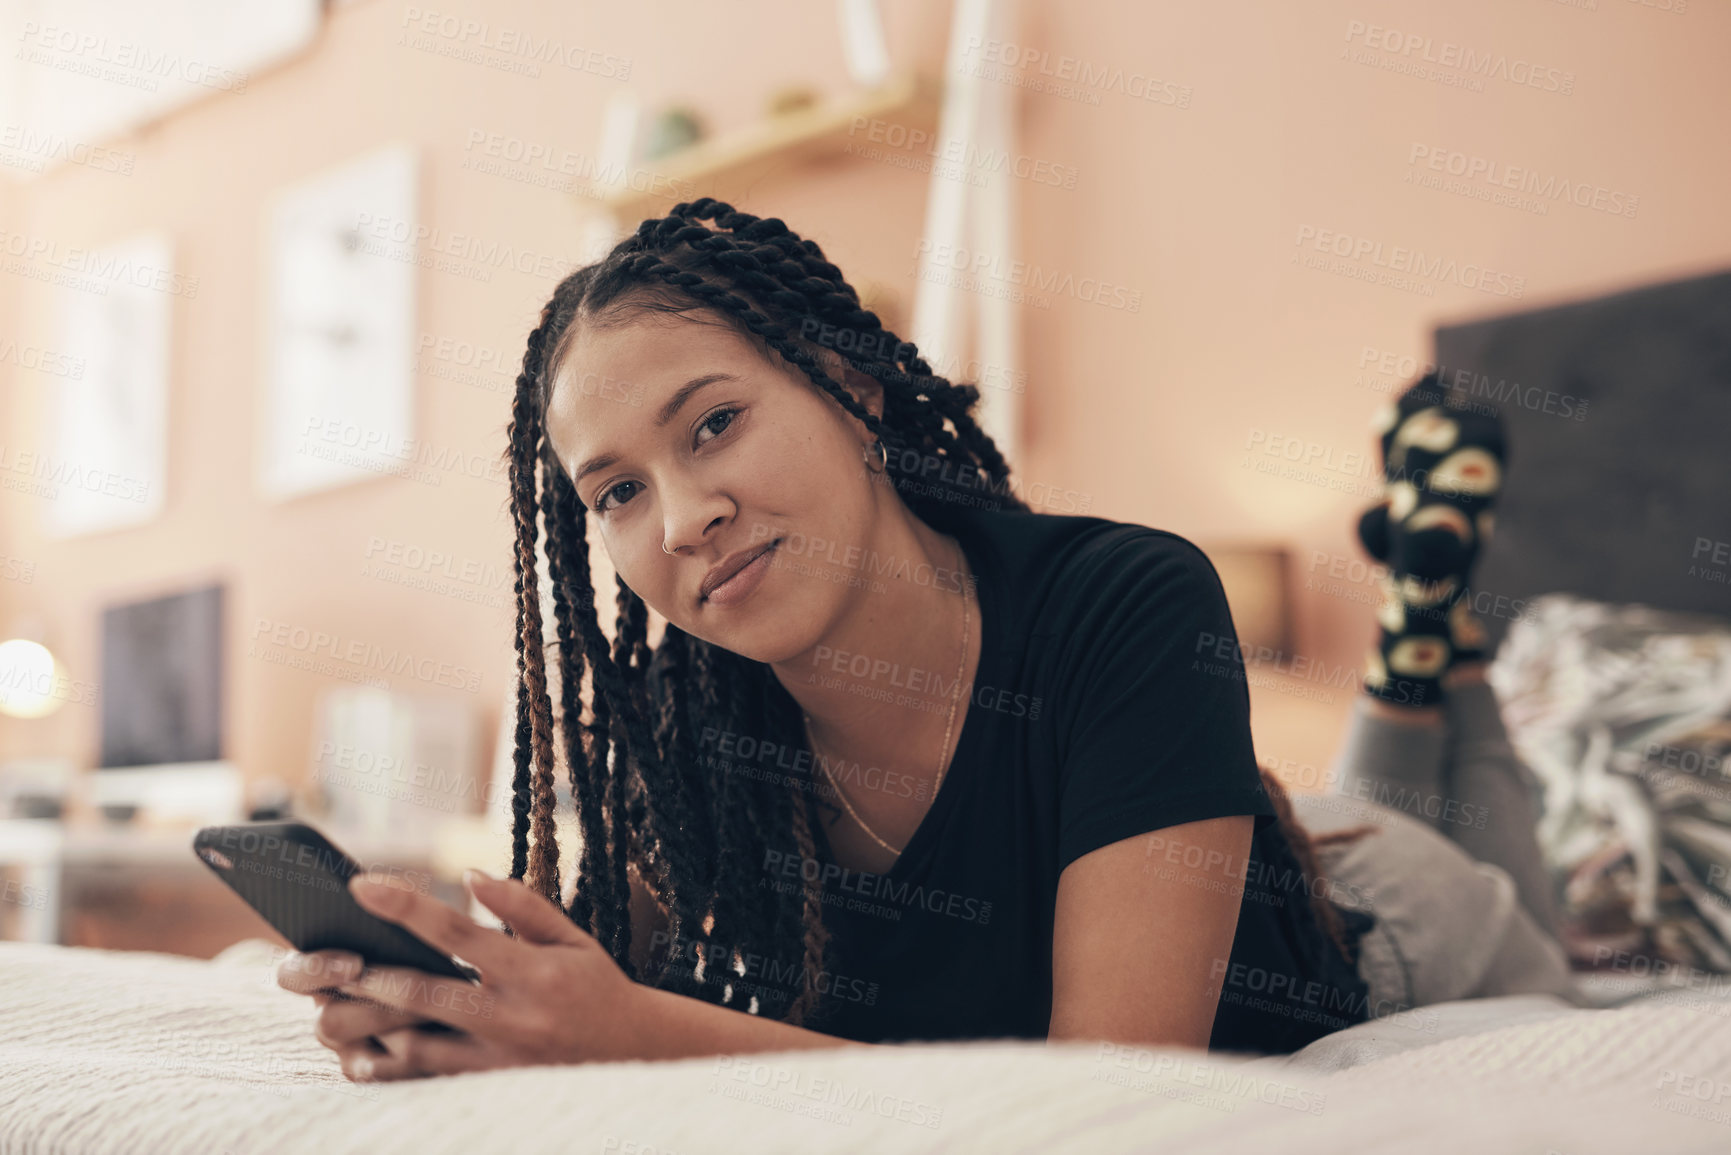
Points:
[(667, 413)]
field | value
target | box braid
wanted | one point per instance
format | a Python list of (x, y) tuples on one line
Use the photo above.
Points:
[(647, 796)]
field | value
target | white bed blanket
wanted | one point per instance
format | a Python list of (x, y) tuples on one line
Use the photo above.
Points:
[(129, 1052)]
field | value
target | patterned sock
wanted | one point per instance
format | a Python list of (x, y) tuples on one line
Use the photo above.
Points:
[(1443, 469)]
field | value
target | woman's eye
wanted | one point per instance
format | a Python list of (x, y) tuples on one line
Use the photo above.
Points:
[(601, 504), (709, 422)]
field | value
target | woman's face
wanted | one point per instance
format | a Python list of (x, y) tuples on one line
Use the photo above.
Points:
[(675, 429)]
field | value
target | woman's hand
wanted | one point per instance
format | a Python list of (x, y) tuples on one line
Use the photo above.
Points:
[(551, 995), (344, 1020)]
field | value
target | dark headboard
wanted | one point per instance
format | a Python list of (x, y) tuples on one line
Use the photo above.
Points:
[(1629, 498)]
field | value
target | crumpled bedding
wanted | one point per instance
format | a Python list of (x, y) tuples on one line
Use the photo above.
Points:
[(1624, 713), (108, 1052)]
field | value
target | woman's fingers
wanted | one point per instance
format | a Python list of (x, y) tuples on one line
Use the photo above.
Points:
[(320, 970), (456, 1003), (442, 927), (533, 918), (356, 1059), (345, 1021), (408, 1053)]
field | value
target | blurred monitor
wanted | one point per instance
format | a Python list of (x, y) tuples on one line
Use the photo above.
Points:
[(162, 680), (162, 710)]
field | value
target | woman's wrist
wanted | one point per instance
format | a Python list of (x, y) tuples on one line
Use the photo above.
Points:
[(676, 1026)]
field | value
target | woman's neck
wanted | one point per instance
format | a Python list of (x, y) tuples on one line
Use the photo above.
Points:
[(879, 687)]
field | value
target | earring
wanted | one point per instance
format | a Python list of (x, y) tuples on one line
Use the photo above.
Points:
[(883, 456)]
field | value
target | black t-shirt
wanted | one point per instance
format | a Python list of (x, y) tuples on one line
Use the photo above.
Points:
[(1101, 710)]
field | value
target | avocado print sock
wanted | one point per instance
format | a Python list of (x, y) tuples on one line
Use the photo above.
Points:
[(1443, 468)]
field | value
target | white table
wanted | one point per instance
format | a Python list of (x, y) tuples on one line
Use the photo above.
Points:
[(43, 850)]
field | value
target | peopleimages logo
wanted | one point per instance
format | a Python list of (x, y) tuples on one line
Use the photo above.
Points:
[(1488, 179), (123, 62), (1231, 1084), (31, 149), (461, 37), (741, 750), (1363, 258), (799, 1091), (90, 270), (57, 474), (1412, 48), (722, 962), (50, 361), (1306, 1000), (312, 642), (1022, 275), (407, 236), (1460, 385), (886, 138), (1068, 76), (876, 887)]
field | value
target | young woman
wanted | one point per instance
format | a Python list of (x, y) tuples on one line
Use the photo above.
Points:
[(1464, 905), (909, 761)]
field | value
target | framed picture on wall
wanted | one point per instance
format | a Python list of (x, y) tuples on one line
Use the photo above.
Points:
[(338, 376), (110, 426), (82, 73)]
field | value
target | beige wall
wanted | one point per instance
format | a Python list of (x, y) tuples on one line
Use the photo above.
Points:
[(1150, 413), (1202, 206)]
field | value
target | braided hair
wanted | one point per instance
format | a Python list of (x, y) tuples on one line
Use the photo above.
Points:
[(648, 798)]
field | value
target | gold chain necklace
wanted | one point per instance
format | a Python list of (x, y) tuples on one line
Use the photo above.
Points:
[(943, 762)]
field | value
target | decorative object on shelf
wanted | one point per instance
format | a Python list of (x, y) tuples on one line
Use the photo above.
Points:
[(38, 806), (110, 432), (671, 130), (34, 787), (339, 339), (731, 164), (796, 98)]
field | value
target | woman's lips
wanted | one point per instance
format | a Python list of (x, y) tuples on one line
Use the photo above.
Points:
[(739, 587)]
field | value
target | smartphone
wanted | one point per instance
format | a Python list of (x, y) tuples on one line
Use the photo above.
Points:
[(299, 881)]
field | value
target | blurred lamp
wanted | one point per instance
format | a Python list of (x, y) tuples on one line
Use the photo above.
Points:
[(1254, 578), (27, 676)]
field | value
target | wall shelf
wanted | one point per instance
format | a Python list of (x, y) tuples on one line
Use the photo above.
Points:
[(730, 164)]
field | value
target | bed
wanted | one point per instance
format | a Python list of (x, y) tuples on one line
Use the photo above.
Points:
[(135, 1052), (108, 1052), (1609, 581)]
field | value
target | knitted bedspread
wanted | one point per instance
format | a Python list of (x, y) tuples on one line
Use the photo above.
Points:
[(1624, 714), (106, 1051)]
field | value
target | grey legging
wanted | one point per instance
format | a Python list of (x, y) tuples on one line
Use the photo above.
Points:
[(1452, 871)]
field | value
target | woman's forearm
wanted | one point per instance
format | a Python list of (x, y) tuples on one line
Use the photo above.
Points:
[(676, 1026)]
